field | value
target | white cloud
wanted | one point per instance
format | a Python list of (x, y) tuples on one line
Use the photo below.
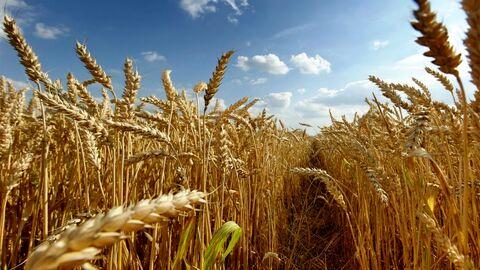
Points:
[(234, 6), (353, 93), (269, 63), (196, 8), (347, 100), (258, 107), (320, 112), (314, 109), (152, 56), (407, 67), (310, 65), (237, 81), (279, 100), (252, 81), (379, 44), (258, 81), (328, 92), (232, 19), (49, 32), (415, 61), (242, 63), (308, 109)]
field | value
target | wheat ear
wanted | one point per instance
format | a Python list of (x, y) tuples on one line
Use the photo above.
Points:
[(79, 244), (132, 82), (28, 58), (458, 259), (91, 65), (330, 183), (435, 38), (73, 112), (216, 79), (145, 131), (472, 41), (170, 91)]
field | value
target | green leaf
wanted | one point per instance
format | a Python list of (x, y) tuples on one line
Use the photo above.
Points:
[(183, 244), (229, 229)]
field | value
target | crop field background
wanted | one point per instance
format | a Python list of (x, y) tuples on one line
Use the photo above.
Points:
[(180, 182)]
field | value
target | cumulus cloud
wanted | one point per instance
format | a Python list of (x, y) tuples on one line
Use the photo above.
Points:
[(196, 8), (310, 65), (278, 100), (242, 63), (321, 112), (379, 44), (268, 63), (308, 109), (352, 95), (49, 32), (152, 56), (315, 108)]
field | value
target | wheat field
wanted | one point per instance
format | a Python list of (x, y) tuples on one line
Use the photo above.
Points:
[(130, 182)]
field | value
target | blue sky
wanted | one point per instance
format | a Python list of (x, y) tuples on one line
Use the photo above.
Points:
[(301, 58)]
